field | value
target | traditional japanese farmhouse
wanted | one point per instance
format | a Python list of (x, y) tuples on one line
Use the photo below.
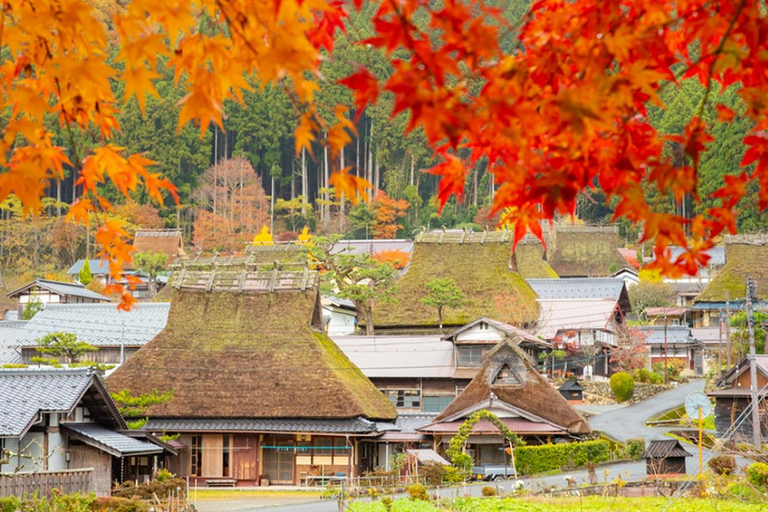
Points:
[(54, 292), (674, 342), (115, 333), (164, 241), (509, 386), (260, 393), (733, 397), (479, 263), (584, 251), (54, 420)]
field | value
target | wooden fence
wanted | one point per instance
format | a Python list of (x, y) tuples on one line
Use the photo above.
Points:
[(67, 481)]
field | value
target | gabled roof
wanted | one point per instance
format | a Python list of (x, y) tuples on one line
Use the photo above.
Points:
[(98, 267), (60, 288), (514, 333), (668, 311), (677, 334), (583, 288), (584, 251), (532, 393), (761, 363), (631, 256), (101, 325), (574, 314), (570, 385), (745, 256), (480, 268), (27, 393), (114, 443), (419, 356), (665, 448), (166, 241), (250, 354)]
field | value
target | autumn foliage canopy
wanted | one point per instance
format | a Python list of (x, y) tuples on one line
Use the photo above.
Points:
[(565, 110)]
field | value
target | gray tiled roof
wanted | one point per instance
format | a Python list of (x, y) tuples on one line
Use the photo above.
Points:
[(675, 334), (9, 352), (58, 287), (98, 267), (27, 392), (110, 441), (716, 254), (352, 425), (578, 288), (101, 325)]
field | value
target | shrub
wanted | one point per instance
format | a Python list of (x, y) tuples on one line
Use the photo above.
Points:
[(417, 492), (10, 504), (119, 505), (622, 386), (489, 490), (647, 377), (387, 502), (537, 459), (453, 475), (635, 448), (723, 464), (757, 474), (434, 473)]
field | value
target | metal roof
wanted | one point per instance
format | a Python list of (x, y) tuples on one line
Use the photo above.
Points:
[(716, 254), (342, 426), (428, 456), (525, 336), (25, 393), (112, 442), (98, 267), (665, 448), (669, 311), (58, 287), (567, 314), (578, 288), (101, 325), (399, 356), (404, 429), (371, 246), (707, 335), (678, 334)]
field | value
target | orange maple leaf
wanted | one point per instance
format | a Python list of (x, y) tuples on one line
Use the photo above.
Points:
[(349, 185)]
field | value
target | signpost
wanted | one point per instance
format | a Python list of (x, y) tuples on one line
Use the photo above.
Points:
[(698, 405)]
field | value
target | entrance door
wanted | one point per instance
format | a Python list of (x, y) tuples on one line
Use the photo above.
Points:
[(278, 461)]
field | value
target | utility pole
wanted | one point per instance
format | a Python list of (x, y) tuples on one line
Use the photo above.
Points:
[(666, 366), (753, 367), (720, 346), (727, 331)]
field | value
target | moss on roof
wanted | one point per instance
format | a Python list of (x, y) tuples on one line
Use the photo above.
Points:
[(6, 303), (528, 260), (741, 260), (584, 251), (249, 355), (482, 272)]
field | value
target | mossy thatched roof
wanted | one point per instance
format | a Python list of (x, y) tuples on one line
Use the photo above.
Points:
[(481, 271), (584, 251), (249, 355), (742, 259), (166, 241), (528, 260)]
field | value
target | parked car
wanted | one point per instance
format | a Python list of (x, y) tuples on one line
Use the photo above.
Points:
[(489, 472)]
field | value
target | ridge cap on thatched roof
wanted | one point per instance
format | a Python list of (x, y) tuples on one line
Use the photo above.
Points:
[(463, 236), (528, 391)]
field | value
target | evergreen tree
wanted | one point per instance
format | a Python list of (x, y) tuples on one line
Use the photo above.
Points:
[(85, 276)]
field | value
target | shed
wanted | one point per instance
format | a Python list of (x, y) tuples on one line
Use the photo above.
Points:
[(665, 457), (572, 391)]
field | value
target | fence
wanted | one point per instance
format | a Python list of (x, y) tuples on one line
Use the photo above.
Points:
[(68, 481)]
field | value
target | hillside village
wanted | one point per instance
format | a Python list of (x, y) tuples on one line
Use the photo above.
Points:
[(259, 373)]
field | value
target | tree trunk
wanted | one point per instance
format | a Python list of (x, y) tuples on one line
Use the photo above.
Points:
[(440, 317), (326, 195), (341, 196), (304, 185), (369, 173)]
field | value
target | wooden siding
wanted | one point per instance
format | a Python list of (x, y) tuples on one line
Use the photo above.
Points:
[(79, 480), (245, 457), (213, 455), (84, 456), (728, 409)]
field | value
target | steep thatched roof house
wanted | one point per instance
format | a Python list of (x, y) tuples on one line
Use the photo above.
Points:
[(165, 241), (584, 251), (480, 265), (509, 386), (255, 379), (529, 260)]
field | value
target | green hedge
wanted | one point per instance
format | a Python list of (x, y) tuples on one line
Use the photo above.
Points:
[(537, 459)]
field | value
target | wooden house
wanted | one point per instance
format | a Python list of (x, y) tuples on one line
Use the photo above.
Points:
[(479, 263), (572, 391), (665, 457), (260, 393), (733, 397), (677, 343), (509, 386), (55, 420), (48, 291)]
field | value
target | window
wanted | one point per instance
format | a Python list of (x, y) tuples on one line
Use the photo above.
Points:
[(196, 455), (323, 446), (470, 355), (483, 326), (404, 398), (436, 403), (340, 446), (506, 376)]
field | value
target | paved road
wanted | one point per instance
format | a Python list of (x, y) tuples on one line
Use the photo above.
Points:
[(628, 422)]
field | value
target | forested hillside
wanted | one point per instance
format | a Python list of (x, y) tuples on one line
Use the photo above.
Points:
[(232, 180)]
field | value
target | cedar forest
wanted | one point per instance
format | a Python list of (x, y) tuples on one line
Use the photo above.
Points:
[(453, 113)]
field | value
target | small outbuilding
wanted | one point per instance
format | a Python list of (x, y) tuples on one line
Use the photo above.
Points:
[(572, 391), (665, 457)]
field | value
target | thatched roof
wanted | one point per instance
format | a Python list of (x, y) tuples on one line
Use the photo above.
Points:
[(584, 251), (6, 303), (530, 392), (744, 256), (250, 354), (528, 259), (481, 269), (166, 241)]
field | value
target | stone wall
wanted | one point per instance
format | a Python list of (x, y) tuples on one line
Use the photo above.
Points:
[(600, 392)]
